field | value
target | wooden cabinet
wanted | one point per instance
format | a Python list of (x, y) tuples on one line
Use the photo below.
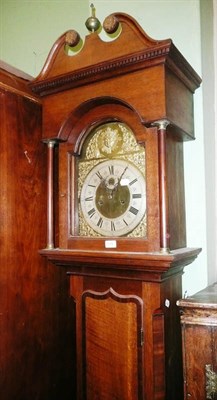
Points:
[(199, 340), (36, 314)]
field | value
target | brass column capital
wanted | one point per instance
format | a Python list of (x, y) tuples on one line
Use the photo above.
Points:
[(161, 124)]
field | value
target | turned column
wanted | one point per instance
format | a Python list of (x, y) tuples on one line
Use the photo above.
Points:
[(164, 231), (50, 193)]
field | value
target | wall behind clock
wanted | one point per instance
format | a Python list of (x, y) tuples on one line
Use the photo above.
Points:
[(28, 29)]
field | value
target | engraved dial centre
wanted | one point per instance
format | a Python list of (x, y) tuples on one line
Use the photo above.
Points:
[(112, 199)]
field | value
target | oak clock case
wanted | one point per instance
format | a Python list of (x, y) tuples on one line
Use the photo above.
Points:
[(111, 183), (117, 222)]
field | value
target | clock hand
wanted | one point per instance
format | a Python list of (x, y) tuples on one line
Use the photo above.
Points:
[(112, 187), (111, 184), (119, 180)]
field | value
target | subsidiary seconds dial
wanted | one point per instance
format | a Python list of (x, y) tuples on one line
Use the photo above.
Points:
[(113, 198)]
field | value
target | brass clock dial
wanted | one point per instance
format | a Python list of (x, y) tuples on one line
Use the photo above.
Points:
[(113, 198), (111, 183)]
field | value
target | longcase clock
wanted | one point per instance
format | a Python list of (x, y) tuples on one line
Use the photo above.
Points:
[(115, 116)]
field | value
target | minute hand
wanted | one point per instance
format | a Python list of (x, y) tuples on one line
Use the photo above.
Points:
[(119, 180)]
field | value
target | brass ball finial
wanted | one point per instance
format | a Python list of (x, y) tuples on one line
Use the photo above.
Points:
[(92, 23)]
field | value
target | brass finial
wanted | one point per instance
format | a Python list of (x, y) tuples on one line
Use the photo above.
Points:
[(92, 23)]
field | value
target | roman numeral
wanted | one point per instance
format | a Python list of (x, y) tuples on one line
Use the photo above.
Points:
[(89, 198), (91, 212), (111, 169), (112, 226), (125, 222), (136, 196), (133, 210), (99, 175), (134, 181), (100, 222)]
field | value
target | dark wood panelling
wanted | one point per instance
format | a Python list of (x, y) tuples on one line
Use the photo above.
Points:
[(36, 315), (199, 338)]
